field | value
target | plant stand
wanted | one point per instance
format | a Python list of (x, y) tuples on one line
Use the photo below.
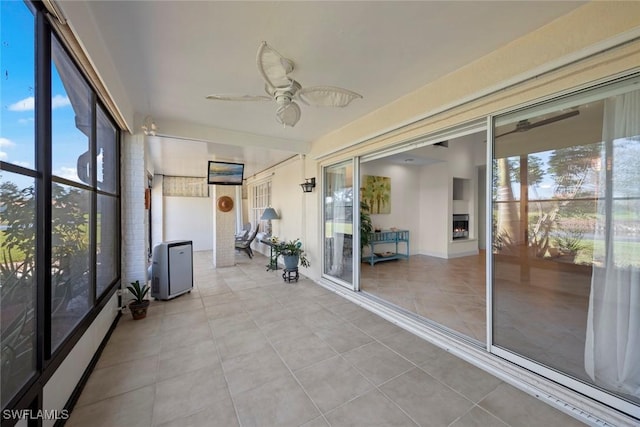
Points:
[(290, 274)]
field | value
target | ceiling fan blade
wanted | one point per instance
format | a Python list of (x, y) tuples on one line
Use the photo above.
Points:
[(507, 133), (525, 125), (327, 96), (239, 97), (554, 119), (273, 66), (288, 114)]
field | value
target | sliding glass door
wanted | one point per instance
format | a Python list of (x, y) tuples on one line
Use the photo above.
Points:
[(566, 241), (338, 224)]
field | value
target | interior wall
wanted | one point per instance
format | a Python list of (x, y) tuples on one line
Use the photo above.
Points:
[(434, 195), (405, 185), (157, 211), (189, 218)]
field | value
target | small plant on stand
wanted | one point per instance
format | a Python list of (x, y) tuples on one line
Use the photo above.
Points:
[(138, 305)]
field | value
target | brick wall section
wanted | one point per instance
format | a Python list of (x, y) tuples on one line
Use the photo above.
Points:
[(133, 214), (224, 226)]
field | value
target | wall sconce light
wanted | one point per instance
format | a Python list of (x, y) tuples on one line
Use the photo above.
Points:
[(149, 126), (308, 185)]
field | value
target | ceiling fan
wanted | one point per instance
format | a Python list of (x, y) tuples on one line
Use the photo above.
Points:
[(525, 125), (282, 89)]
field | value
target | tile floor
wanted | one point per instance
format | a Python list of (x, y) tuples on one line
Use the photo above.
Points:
[(246, 349)]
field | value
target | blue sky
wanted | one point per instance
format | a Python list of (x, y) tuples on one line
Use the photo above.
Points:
[(17, 95)]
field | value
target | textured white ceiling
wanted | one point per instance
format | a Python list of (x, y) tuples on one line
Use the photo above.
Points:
[(168, 55)]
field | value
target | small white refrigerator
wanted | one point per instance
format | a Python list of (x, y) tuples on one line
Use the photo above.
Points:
[(172, 269)]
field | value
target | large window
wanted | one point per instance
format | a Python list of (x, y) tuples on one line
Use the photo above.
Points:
[(566, 238), (261, 199), (17, 202), (59, 204)]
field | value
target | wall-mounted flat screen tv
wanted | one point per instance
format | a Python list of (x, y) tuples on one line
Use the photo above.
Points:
[(225, 173)]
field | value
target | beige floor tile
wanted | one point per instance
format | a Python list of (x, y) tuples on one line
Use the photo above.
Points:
[(342, 337), (411, 347), (185, 336), (220, 413), (188, 394), (301, 351), (117, 379), (316, 422), (231, 325), (126, 350), (332, 383), (375, 326), (477, 417), (133, 409), (241, 343), (280, 403), (178, 305), (224, 310), (517, 408), (252, 370), (285, 330), (182, 319), (187, 359), (370, 409), (426, 400), (377, 362), (466, 379)]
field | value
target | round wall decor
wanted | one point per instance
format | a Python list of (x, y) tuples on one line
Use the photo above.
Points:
[(225, 203)]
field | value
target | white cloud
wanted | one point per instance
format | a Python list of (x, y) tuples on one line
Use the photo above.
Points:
[(26, 121), (3, 155), (60, 101), (4, 142), (67, 173), (23, 164), (26, 104)]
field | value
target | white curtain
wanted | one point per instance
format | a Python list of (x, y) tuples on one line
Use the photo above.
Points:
[(337, 184), (612, 348)]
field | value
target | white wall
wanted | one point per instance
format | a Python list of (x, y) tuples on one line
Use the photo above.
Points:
[(405, 182), (434, 199), (189, 218)]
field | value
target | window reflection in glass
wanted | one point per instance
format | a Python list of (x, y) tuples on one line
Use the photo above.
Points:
[(106, 244), (71, 119), (70, 274), (338, 222), (106, 153), (566, 241), (17, 90), (18, 280)]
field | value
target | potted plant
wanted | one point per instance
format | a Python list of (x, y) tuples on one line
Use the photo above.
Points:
[(138, 305), (365, 225), (292, 254)]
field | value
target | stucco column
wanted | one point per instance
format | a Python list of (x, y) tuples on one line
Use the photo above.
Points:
[(224, 226)]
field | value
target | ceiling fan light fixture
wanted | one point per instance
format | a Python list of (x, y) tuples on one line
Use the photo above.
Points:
[(288, 114), (149, 127)]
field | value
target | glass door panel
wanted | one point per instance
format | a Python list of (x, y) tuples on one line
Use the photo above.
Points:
[(338, 224), (566, 241)]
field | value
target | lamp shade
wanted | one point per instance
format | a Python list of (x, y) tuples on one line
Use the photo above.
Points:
[(269, 213)]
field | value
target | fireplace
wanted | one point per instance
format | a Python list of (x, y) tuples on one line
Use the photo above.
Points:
[(460, 226)]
